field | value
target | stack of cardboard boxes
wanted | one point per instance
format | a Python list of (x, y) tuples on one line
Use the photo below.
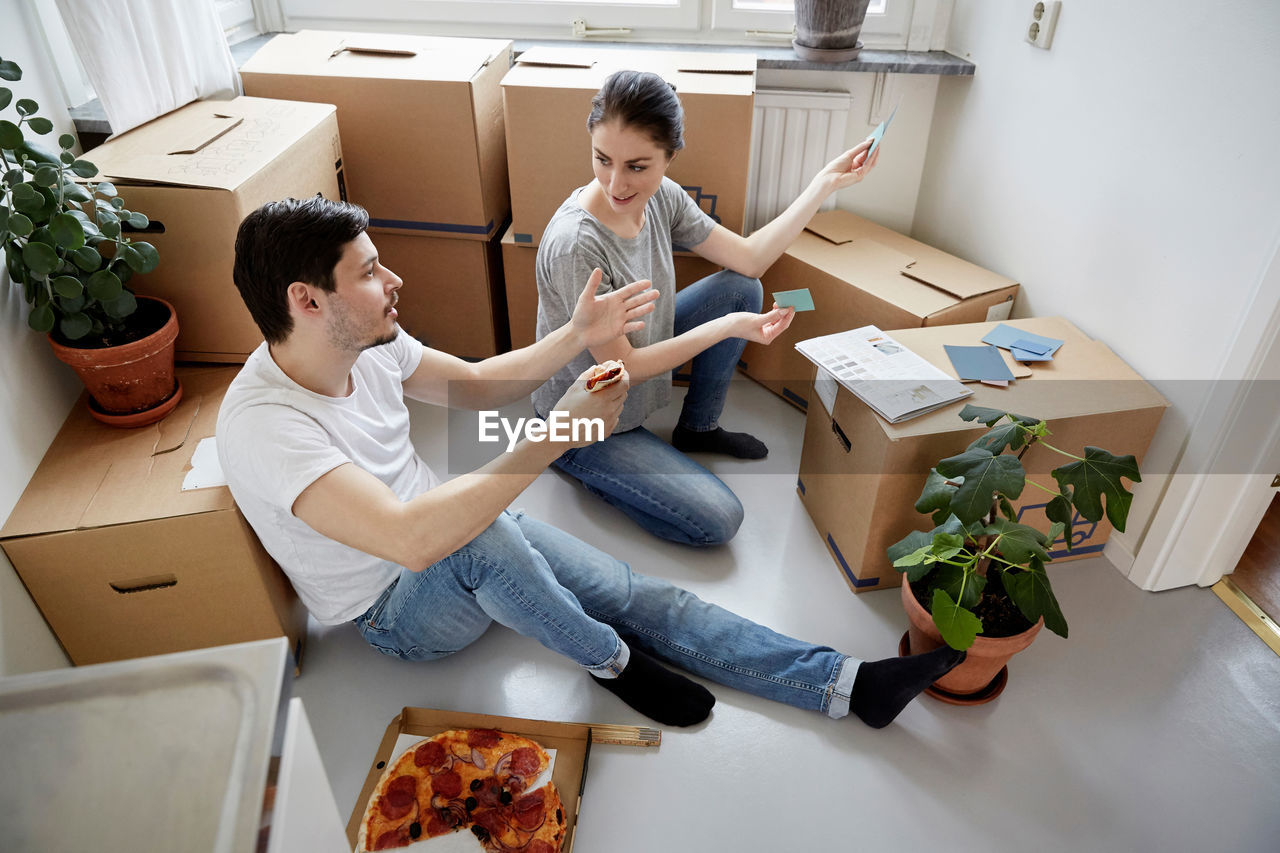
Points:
[(424, 152), (546, 100)]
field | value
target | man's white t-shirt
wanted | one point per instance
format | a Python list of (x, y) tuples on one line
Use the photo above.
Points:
[(275, 438)]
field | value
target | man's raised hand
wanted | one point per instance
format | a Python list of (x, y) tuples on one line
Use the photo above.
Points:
[(600, 319)]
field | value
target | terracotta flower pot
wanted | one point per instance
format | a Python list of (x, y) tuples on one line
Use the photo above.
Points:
[(985, 660), (132, 384)]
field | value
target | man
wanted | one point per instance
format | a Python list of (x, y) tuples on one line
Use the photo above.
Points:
[(313, 436)]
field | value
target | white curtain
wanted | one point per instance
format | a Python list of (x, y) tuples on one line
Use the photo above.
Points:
[(148, 57)]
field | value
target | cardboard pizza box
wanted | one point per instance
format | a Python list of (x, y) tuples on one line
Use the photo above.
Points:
[(571, 741)]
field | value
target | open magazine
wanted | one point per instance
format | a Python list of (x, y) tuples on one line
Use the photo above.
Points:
[(895, 382)]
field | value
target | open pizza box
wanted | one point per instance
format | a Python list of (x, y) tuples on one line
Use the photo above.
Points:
[(571, 743)]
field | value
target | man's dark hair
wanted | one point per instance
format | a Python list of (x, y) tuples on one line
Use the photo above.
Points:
[(644, 101), (287, 241)]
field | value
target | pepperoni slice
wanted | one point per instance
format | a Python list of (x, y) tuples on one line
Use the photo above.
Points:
[(391, 838), (401, 795), (489, 793), (524, 761), (436, 826), (446, 783), (529, 810), (430, 754), (483, 738), (491, 821)]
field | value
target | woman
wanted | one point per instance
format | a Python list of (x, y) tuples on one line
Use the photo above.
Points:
[(625, 224)]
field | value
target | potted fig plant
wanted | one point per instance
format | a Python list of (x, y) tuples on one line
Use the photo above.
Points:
[(977, 580), (67, 244)]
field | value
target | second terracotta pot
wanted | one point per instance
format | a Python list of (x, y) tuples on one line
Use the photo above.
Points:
[(986, 657)]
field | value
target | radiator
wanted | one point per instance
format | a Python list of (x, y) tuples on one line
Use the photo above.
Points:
[(795, 133)]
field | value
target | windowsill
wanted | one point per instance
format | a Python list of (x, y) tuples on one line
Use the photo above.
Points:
[(89, 119)]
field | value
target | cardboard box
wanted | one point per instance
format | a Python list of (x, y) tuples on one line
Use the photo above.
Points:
[(571, 741), (122, 562), (518, 265), (860, 476), (547, 97), (452, 299), (861, 274), (197, 172), (420, 117)]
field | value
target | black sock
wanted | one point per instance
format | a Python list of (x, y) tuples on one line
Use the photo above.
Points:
[(883, 688), (738, 444), (659, 693)]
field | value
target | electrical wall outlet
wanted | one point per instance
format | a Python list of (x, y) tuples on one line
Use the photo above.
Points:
[(1044, 17)]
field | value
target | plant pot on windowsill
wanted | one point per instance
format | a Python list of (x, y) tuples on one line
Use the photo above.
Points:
[(130, 384), (828, 30)]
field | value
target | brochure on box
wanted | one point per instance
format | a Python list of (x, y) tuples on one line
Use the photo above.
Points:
[(895, 382)]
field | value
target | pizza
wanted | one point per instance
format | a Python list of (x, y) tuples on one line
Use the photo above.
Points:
[(604, 375), (474, 780)]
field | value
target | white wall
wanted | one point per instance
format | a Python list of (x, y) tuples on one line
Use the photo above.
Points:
[(36, 390), (1127, 177)]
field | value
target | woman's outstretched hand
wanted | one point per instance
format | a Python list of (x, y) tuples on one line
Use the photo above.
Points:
[(850, 167), (600, 319), (762, 328)]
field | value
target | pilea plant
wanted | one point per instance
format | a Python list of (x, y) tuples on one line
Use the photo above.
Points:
[(65, 237), (979, 556)]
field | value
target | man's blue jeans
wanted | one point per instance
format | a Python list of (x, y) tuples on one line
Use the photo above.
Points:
[(578, 601), (657, 486)]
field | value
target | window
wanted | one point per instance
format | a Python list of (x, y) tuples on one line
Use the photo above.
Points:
[(890, 24)]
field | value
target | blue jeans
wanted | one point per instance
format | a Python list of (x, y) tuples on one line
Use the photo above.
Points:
[(655, 485), (578, 601)]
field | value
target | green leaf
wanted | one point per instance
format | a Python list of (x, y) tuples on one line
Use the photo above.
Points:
[(75, 192), (41, 259), (10, 135), (46, 176), (138, 220), (1030, 591), (66, 141), (67, 158), (73, 304), (110, 227), (982, 414), (1007, 509), (1100, 474), (984, 475), (1010, 435), (6, 96), (937, 493), (1018, 543), (150, 257), (41, 319), (122, 306), (13, 177), (84, 168), (117, 203), (9, 70), (958, 626), (68, 287), (86, 258), (900, 554), (20, 224), (67, 231), (27, 199), (964, 587), (40, 125), (75, 326), (106, 188), (26, 107), (104, 286)]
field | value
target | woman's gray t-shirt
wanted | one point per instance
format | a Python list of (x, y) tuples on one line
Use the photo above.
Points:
[(575, 243)]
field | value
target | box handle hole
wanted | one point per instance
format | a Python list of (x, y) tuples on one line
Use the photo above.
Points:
[(844, 439), (143, 584)]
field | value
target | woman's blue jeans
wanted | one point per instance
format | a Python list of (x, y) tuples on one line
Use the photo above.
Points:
[(578, 601), (657, 486)]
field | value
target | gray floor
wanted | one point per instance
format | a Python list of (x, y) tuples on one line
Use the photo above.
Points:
[(1155, 727)]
